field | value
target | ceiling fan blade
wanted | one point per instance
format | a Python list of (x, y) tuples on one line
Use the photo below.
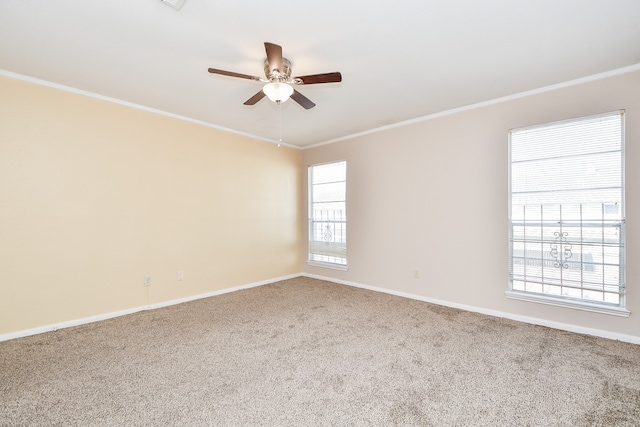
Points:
[(274, 56), (255, 98), (232, 74), (318, 78), (302, 100)]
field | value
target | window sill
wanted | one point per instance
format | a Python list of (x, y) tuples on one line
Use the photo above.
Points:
[(328, 265), (561, 302)]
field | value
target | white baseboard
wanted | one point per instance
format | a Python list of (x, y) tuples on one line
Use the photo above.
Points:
[(105, 316), (525, 319), (220, 292), (68, 324)]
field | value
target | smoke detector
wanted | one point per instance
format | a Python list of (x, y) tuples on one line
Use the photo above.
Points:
[(176, 4)]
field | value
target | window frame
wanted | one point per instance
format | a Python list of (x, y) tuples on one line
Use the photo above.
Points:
[(312, 220), (618, 309)]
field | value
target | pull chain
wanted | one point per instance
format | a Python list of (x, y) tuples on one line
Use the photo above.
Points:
[(279, 123)]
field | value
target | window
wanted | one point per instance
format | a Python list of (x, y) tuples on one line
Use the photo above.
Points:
[(566, 213), (328, 215)]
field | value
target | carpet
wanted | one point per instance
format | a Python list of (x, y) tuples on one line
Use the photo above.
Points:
[(306, 352)]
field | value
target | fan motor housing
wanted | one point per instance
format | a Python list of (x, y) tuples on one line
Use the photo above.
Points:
[(280, 75)]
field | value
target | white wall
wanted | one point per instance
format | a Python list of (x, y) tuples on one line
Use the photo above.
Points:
[(432, 196)]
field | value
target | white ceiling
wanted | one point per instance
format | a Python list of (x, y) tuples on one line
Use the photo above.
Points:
[(400, 60)]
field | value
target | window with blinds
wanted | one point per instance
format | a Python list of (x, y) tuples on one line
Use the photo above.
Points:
[(328, 215), (566, 211)]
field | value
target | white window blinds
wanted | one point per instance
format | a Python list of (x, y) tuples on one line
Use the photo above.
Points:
[(567, 209)]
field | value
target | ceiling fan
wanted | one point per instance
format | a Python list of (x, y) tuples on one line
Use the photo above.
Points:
[(279, 81)]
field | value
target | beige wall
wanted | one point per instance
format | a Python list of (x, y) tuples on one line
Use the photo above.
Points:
[(432, 196), (94, 196)]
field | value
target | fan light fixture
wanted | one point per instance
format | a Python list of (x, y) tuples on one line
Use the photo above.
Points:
[(278, 92), (277, 71)]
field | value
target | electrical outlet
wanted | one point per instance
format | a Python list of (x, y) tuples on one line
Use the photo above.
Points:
[(180, 275), (416, 274), (147, 280)]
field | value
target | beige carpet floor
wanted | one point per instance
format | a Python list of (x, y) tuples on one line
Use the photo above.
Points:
[(305, 352)]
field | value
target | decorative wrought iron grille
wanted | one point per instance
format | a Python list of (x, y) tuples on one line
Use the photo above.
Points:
[(328, 236), (573, 251)]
